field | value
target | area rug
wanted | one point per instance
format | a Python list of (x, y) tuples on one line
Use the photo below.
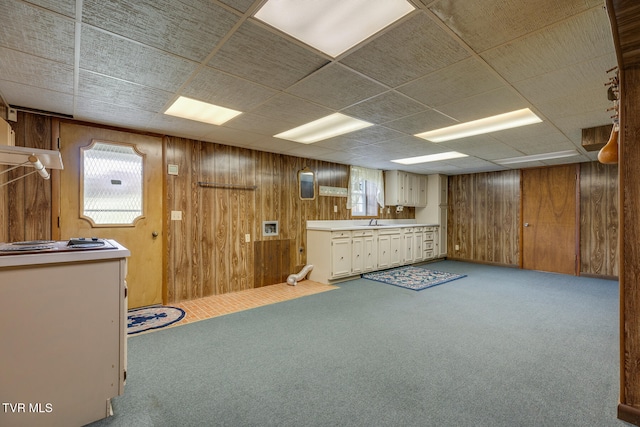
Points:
[(413, 277), (155, 317)]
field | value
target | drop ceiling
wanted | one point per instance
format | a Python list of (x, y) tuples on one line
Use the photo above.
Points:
[(124, 62)]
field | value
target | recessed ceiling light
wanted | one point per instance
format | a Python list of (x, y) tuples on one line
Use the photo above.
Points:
[(332, 26), (430, 158), (537, 157), (193, 109), (324, 128), (477, 127)]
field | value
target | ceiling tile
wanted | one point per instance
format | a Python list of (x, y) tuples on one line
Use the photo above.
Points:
[(372, 135), (336, 86), (190, 29), (101, 112), (587, 35), (291, 109), (116, 57), (228, 91), (461, 80), (483, 147), (37, 98), (484, 105), (64, 7), (34, 71), (493, 29), (421, 122), (266, 126), (266, 58), (35, 31), (123, 93), (384, 108), (567, 81), (239, 5), (406, 52)]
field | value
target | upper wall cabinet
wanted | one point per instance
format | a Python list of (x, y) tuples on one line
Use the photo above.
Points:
[(405, 189)]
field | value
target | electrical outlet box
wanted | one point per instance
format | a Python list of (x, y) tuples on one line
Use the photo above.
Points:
[(457, 247), (176, 215), (335, 208), (172, 169), (247, 238)]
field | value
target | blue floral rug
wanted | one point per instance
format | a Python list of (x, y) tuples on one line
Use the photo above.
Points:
[(413, 277), (155, 317)]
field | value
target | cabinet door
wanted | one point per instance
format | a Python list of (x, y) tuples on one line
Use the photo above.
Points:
[(340, 257), (357, 255), (408, 188), (370, 254), (421, 196), (408, 248), (418, 250), (396, 249), (384, 251)]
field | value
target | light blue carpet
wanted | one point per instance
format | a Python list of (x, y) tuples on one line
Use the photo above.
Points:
[(503, 347)]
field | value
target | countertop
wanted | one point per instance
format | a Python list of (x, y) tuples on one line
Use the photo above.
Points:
[(60, 253), (361, 225)]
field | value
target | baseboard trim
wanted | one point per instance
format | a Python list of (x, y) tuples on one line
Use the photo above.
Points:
[(629, 414)]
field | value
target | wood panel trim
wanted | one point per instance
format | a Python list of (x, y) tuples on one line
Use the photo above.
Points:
[(629, 414), (55, 183)]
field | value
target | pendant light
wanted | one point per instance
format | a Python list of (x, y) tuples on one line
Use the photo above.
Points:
[(609, 153)]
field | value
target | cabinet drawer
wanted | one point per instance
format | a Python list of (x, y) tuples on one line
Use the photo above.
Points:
[(428, 246), (340, 234), (383, 231), (428, 236), (428, 254), (407, 230), (361, 233)]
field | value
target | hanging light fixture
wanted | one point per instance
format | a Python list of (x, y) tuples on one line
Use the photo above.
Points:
[(609, 153)]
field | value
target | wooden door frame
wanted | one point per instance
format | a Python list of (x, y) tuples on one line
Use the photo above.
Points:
[(577, 263)]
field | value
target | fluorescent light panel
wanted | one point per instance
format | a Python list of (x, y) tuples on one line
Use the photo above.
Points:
[(332, 26), (324, 128), (537, 157), (430, 158), (477, 127), (193, 109)]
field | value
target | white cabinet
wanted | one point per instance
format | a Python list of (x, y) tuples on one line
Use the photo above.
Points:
[(429, 248), (408, 245), (421, 194), (418, 239), (363, 252), (384, 251), (396, 244), (63, 328), (405, 189), (340, 254)]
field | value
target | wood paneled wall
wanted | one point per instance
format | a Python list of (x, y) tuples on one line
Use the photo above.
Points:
[(484, 217), (26, 210), (599, 254), (206, 252)]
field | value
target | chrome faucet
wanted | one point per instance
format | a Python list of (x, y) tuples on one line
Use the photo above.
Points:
[(373, 221)]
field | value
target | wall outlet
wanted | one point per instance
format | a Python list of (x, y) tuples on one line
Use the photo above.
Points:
[(247, 238), (457, 247), (172, 169), (176, 215), (335, 208)]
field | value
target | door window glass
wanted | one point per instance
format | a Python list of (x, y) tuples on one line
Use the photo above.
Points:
[(112, 184)]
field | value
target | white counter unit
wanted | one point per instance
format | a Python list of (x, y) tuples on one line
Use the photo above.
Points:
[(63, 328), (339, 250)]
